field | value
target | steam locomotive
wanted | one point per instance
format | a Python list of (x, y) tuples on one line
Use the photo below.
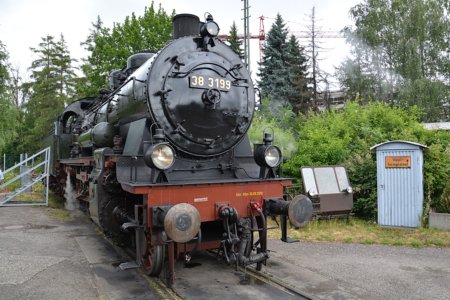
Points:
[(161, 160)]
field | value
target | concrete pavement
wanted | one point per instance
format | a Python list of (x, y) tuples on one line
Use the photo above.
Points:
[(42, 257), (354, 271)]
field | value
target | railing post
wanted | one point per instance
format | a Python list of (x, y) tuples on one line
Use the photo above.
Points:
[(47, 172)]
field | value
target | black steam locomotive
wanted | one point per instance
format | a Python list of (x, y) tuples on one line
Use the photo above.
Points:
[(162, 161)]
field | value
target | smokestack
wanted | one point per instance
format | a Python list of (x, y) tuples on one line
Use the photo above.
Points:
[(185, 25)]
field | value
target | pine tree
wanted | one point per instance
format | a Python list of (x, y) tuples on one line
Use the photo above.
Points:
[(51, 85), (273, 71), (297, 63), (65, 72), (235, 42)]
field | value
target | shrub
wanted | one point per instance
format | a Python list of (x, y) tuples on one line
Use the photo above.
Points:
[(437, 174), (345, 137), (362, 171), (280, 126)]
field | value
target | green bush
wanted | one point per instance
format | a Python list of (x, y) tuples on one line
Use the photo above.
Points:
[(444, 203), (14, 185), (345, 137), (362, 171), (437, 172), (280, 126)]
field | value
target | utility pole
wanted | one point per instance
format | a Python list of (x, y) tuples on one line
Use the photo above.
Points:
[(246, 34), (314, 54)]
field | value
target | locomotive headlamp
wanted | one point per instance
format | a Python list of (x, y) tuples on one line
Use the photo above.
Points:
[(267, 155), (160, 156), (272, 156), (209, 28)]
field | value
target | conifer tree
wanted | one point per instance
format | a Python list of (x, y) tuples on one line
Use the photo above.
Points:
[(65, 72), (235, 42), (298, 71), (51, 88), (273, 72), (283, 71)]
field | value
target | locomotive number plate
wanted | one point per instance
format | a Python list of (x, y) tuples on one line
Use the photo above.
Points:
[(207, 82)]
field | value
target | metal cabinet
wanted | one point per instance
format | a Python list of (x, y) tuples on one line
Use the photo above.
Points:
[(399, 183), (329, 190)]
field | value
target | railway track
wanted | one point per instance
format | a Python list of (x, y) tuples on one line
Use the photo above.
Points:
[(249, 277), (277, 283), (161, 288), (214, 279), (208, 273)]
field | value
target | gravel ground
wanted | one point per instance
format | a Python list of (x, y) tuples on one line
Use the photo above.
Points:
[(346, 271), (44, 258)]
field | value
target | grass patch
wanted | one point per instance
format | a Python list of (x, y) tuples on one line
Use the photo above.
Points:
[(59, 214), (348, 240), (368, 242), (365, 232), (36, 195), (55, 201), (56, 207)]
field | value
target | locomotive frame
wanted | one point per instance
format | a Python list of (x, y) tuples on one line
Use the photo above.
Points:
[(162, 162)]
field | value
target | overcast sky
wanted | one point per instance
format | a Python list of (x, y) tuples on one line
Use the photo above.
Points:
[(24, 22)]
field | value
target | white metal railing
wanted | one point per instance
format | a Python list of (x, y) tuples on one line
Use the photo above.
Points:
[(40, 171)]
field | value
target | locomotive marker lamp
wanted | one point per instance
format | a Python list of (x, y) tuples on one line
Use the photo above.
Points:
[(208, 30)]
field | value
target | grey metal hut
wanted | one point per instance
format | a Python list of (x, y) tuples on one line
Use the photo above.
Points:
[(400, 183)]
